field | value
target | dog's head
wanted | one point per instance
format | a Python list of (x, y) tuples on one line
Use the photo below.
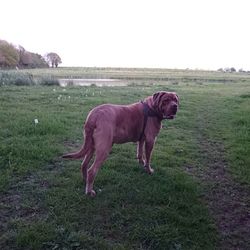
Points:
[(166, 104)]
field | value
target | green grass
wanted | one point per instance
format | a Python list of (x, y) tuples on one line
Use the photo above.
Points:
[(26, 78), (42, 202)]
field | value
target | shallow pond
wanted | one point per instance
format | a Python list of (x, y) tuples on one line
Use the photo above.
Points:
[(89, 82)]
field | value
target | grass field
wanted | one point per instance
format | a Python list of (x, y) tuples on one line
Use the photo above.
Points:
[(198, 197)]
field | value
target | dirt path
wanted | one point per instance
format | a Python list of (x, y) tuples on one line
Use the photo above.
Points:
[(228, 201)]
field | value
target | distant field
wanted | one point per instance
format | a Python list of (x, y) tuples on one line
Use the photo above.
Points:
[(167, 75), (198, 197)]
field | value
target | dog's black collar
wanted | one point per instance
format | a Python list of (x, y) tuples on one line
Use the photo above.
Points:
[(148, 112)]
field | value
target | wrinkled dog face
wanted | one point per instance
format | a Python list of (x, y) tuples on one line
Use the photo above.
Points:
[(166, 103)]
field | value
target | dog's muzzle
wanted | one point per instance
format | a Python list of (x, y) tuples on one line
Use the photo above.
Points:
[(174, 109), (173, 112)]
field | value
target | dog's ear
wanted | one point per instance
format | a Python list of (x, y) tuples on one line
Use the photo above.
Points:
[(157, 97)]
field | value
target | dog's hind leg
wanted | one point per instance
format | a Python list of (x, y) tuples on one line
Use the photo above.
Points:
[(92, 171), (103, 145), (85, 163), (89, 149)]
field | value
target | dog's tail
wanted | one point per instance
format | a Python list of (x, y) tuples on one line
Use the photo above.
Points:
[(88, 144), (76, 155)]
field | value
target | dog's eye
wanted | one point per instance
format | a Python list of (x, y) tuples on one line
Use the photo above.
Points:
[(165, 102)]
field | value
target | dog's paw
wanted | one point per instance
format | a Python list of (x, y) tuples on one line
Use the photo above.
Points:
[(149, 170), (91, 193), (141, 162)]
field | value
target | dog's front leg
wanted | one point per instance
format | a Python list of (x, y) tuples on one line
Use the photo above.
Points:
[(140, 157), (149, 145)]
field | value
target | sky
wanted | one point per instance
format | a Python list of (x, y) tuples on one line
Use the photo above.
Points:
[(195, 34)]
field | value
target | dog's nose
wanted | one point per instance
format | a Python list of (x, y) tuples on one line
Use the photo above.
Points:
[(174, 108)]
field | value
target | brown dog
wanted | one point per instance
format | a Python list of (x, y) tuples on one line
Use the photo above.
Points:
[(108, 124)]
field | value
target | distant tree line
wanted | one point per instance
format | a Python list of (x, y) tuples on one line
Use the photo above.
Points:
[(232, 70), (17, 57)]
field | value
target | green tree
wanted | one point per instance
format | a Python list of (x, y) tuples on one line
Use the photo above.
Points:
[(30, 60), (53, 59), (9, 56)]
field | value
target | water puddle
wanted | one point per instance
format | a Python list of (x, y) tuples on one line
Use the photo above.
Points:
[(89, 82)]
